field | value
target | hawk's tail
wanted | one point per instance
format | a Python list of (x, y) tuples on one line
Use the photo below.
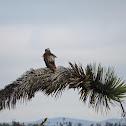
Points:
[(54, 70)]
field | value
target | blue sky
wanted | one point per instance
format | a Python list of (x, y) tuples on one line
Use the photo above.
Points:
[(82, 31)]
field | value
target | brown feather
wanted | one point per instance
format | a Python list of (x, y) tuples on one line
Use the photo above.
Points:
[(49, 59)]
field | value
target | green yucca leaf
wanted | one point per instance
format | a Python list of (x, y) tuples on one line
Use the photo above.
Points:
[(102, 88)]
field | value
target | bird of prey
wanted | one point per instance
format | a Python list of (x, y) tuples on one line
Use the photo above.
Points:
[(49, 59)]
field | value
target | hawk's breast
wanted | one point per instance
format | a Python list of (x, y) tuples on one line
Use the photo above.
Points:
[(51, 58)]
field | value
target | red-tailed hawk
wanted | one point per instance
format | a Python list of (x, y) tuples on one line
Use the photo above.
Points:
[(49, 59)]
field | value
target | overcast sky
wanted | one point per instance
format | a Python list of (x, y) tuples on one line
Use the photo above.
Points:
[(92, 31)]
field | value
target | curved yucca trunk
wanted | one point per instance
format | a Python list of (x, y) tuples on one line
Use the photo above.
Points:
[(100, 86)]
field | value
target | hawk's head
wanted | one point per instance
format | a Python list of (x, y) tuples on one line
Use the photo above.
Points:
[(47, 50)]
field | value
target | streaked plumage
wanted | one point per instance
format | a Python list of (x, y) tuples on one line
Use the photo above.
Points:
[(49, 59)]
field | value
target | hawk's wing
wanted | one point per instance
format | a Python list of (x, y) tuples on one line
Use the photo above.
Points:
[(49, 60), (46, 61)]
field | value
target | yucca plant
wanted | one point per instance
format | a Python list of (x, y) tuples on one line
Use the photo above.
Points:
[(98, 86)]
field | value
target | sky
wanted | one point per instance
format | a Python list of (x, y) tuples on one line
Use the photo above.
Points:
[(75, 30)]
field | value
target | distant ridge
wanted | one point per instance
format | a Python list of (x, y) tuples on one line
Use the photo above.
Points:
[(65, 120), (58, 120)]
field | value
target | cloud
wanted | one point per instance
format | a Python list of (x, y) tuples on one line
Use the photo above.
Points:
[(13, 39), (82, 43)]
